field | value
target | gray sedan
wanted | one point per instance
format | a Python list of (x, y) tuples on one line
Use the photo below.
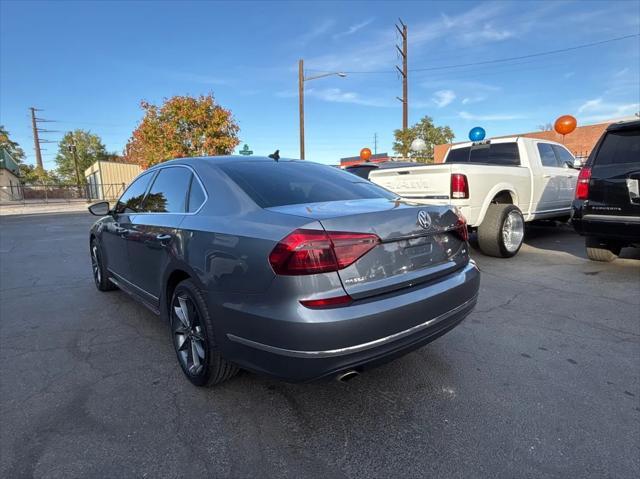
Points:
[(288, 268)]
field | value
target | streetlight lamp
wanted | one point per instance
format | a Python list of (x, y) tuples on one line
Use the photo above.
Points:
[(301, 80)]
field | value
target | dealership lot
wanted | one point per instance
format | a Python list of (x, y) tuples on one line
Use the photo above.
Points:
[(542, 380)]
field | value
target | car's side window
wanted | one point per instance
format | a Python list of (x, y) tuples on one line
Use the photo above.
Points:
[(565, 159), (168, 194), (196, 195), (131, 199), (547, 155)]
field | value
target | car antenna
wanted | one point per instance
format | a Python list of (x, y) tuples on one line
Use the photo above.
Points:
[(275, 155)]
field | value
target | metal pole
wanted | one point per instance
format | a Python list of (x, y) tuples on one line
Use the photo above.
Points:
[(301, 104), (74, 152), (405, 89), (36, 139)]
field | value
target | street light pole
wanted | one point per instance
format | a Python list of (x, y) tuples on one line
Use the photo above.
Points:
[(301, 80), (301, 104)]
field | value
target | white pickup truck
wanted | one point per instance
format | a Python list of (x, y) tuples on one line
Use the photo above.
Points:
[(498, 184)]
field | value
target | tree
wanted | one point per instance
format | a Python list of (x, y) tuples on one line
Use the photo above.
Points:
[(11, 146), (183, 126), (88, 149), (545, 127), (30, 175), (425, 130)]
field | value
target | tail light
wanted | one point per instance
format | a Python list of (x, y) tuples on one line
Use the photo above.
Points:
[(459, 186), (315, 251), (334, 302), (582, 187), (461, 229)]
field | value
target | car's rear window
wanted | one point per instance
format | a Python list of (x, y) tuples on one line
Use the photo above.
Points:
[(505, 154), (283, 183), (619, 147)]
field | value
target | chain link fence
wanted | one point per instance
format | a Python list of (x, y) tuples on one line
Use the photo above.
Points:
[(46, 194)]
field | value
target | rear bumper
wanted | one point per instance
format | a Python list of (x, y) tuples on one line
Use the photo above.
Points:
[(623, 229), (314, 344)]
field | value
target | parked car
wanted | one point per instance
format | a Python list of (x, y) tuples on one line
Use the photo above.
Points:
[(364, 169), (498, 185), (288, 268), (606, 209)]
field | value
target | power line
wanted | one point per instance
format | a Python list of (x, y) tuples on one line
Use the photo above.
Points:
[(501, 60)]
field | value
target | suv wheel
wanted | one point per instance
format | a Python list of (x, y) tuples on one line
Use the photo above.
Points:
[(599, 250), (193, 338), (502, 231), (100, 277)]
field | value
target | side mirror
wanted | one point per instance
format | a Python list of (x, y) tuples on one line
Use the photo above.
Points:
[(99, 209)]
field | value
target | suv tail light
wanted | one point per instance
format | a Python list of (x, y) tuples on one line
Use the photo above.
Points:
[(315, 251), (582, 187), (459, 186)]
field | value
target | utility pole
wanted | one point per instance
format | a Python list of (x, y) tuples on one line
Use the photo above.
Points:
[(73, 148), (301, 104), (375, 143), (36, 138), (403, 73)]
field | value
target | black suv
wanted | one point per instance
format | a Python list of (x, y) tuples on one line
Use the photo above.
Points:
[(606, 208)]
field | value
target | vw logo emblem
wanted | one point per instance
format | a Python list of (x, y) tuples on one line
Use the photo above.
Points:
[(424, 219)]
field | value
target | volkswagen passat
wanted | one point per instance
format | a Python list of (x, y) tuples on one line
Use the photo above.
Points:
[(288, 268)]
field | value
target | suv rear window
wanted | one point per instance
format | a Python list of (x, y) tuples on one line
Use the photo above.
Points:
[(505, 154), (619, 147), (289, 183)]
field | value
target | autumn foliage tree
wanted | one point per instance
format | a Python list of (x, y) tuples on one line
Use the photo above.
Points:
[(182, 126)]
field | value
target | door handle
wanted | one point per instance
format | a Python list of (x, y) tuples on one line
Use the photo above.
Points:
[(546, 176), (121, 231)]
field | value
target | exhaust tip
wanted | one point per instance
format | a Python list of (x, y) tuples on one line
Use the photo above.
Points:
[(347, 376)]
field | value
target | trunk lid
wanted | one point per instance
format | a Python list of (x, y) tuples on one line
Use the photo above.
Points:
[(430, 182), (411, 251)]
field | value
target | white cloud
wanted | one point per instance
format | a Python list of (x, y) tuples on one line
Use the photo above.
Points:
[(337, 95), (443, 97), (487, 33), (495, 117), (599, 110), (474, 99), (353, 28), (315, 32)]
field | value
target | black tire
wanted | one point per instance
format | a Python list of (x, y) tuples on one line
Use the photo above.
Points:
[(100, 273), (194, 339), (490, 233), (599, 250)]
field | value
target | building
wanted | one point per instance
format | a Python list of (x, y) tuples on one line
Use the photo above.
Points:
[(354, 160), (9, 177), (107, 180), (580, 142)]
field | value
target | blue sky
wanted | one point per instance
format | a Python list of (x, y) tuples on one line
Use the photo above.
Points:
[(88, 65)]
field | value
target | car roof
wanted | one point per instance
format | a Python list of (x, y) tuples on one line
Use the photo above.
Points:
[(624, 125), (219, 160)]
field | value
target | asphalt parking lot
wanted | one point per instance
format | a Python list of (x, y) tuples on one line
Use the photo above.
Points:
[(542, 380)]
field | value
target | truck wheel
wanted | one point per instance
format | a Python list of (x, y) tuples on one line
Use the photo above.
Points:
[(502, 231), (598, 250)]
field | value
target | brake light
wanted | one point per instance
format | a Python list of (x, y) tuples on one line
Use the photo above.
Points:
[(316, 251), (461, 229), (582, 187), (459, 186), (334, 302)]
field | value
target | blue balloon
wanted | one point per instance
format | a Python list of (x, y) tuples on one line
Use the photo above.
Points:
[(477, 134)]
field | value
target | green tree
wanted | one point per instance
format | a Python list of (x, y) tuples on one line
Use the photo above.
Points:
[(425, 130), (88, 149), (30, 175), (182, 126), (11, 146)]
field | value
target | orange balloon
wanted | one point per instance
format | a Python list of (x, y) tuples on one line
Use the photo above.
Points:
[(365, 154), (565, 124)]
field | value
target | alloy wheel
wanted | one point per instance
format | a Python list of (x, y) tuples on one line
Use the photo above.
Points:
[(512, 231), (188, 334), (95, 264)]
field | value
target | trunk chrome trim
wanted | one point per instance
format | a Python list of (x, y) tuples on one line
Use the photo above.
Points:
[(612, 218), (467, 305)]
